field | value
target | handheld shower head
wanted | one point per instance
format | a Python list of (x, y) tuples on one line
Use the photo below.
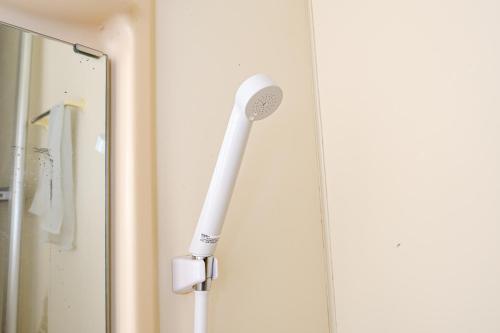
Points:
[(257, 98)]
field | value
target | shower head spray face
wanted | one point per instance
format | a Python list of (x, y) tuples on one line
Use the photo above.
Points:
[(257, 98)]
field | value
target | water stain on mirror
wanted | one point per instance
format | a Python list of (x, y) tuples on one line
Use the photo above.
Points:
[(53, 179)]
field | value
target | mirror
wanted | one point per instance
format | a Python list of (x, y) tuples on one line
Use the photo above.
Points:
[(53, 185)]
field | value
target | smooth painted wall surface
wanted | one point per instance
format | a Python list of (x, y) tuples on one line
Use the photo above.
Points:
[(410, 105), (272, 266)]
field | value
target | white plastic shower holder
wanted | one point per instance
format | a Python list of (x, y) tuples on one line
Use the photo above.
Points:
[(188, 271)]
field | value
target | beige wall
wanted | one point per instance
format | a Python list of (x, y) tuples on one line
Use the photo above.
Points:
[(272, 275), (410, 105)]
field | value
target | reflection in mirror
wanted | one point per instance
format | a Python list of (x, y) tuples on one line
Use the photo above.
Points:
[(52, 186)]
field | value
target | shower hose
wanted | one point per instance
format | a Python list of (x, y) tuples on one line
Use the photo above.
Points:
[(200, 311)]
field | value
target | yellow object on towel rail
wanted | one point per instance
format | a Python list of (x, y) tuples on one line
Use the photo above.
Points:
[(43, 119)]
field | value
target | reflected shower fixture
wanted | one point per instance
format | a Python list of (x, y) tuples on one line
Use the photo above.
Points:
[(257, 98)]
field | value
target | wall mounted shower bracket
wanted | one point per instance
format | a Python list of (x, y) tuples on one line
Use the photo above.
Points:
[(193, 273)]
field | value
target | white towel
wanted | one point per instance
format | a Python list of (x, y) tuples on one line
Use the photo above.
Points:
[(53, 201)]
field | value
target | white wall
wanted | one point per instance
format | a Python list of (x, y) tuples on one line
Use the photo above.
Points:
[(272, 275), (410, 106)]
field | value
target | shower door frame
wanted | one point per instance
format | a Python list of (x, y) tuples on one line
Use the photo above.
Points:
[(17, 187)]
